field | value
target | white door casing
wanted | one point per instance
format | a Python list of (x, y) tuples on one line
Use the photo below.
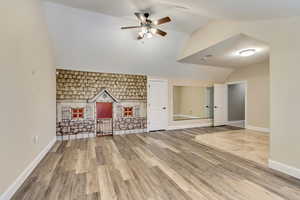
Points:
[(220, 104), (157, 104)]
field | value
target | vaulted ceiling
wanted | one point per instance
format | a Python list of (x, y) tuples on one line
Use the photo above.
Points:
[(189, 15), (92, 41), (86, 34)]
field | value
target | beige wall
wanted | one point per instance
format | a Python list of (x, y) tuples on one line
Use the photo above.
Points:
[(176, 99), (189, 101), (284, 76), (258, 93), (191, 83), (27, 85)]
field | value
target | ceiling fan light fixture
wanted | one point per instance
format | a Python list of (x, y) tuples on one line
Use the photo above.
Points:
[(144, 30), (247, 52), (153, 30), (141, 34), (149, 35), (147, 28)]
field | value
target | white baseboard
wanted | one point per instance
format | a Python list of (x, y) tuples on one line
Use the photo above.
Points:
[(186, 116), (292, 171), (267, 130), (236, 123), (134, 131), (24, 175), (75, 137), (189, 126)]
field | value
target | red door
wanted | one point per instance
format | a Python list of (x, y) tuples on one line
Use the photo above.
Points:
[(104, 110)]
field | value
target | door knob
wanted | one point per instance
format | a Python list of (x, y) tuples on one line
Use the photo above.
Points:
[(164, 108), (215, 106)]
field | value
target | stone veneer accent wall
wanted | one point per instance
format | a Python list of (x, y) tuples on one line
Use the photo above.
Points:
[(78, 89), (69, 127), (79, 85)]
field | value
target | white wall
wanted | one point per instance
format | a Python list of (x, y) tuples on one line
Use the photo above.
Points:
[(92, 41), (284, 76), (27, 85)]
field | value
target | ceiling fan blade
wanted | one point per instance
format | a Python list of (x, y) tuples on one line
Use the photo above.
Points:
[(140, 16), (130, 27), (160, 32), (162, 21)]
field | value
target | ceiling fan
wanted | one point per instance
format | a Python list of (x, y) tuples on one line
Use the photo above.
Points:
[(149, 27)]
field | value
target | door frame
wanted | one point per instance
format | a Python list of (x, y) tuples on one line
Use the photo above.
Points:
[(148, 100), (96, 119), (245, 82)]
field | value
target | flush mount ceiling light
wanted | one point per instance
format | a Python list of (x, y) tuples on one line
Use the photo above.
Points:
[(247, 52)]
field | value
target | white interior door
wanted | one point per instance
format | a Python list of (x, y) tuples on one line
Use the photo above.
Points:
[(158, 105), (220, 104)]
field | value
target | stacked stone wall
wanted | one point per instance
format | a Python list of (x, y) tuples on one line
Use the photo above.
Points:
[(73, 127), (130, 123), (79, 85)]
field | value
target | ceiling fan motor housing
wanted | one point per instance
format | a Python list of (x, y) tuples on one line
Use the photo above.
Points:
[(146, 15)]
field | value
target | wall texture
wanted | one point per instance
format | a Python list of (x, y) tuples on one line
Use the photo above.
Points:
[(258, 93), (82, 85), (236, 102), (27, 85)]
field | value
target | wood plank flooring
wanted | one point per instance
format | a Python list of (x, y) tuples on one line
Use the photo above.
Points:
[(249, 144), (169, 165)]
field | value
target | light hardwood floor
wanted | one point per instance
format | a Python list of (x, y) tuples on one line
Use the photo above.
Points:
[(170, 165), (252, 145)]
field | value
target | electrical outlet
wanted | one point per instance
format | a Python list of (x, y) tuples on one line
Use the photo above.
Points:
[(35, 139)]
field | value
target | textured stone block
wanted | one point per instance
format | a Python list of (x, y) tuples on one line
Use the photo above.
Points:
[(85, 85)]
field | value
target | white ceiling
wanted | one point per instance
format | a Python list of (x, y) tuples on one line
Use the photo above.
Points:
[(92, 41), (226, 53), (189, 15)]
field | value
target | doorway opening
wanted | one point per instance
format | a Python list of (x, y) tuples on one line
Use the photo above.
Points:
[(104, 118), (237, 100)]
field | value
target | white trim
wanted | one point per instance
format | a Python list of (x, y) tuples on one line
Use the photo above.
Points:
[(255, 128), (292, 171), (189, 126), (126, 132), (75, 137), (186, 116), (236, 123), (94, 99), (237, 82), (24, 175)]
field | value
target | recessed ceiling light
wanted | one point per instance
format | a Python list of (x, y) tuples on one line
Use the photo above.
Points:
[(247, 52)]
